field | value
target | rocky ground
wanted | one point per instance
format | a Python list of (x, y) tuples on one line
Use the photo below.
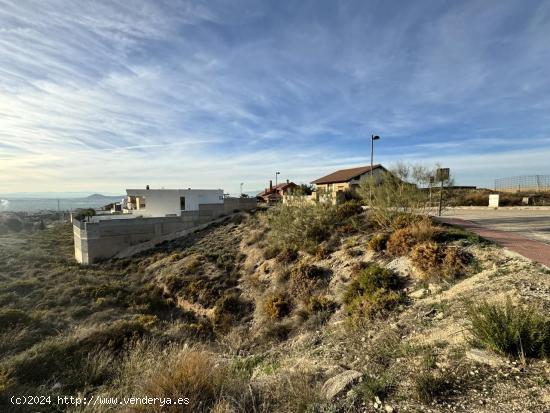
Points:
[(225, 290)]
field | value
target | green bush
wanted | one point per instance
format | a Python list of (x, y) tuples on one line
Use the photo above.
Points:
[(348, 209), (381, 386), (375, 291), (301, 226), (510, 330), (81, 213)]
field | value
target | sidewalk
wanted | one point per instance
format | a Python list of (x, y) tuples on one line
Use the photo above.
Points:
[(534, 250)]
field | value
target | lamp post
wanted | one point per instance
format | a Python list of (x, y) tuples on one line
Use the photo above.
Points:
[(276, 174), (372, 139), (241, 194)]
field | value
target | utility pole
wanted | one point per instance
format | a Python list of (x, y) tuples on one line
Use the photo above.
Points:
[(276, 174), (372, 139), (442, 174), (241, 194)]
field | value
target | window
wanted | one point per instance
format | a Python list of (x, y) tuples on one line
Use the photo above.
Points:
[(182, 203)]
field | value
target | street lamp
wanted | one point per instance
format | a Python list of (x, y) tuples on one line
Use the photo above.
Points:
[(276, 174), (241, 189), (372, 139)]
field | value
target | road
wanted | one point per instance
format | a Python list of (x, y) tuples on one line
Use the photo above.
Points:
[(533, 224)]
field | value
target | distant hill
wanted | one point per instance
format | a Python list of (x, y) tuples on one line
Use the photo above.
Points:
[(100, 197)]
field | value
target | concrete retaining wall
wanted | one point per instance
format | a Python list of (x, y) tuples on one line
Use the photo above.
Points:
[(103, 239)]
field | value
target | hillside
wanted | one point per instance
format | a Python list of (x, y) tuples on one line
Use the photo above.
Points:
[(269, 312)]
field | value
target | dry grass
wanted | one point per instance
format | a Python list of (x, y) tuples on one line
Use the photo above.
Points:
[(403, 240), (438, 262), (305, 278), (276, 305)]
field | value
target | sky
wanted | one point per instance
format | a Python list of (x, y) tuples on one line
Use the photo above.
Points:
[(100, 96)]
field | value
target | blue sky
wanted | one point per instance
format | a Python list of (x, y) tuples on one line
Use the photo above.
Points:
[(104, 95)]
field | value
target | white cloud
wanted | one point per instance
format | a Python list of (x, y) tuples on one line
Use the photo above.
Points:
[(102, 95)]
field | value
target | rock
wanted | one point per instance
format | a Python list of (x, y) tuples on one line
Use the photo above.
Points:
[(388, 408), (418, 293), (484, 357), (337, 384)]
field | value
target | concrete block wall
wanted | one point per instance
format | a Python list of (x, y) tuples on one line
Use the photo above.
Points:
[(94, 241)]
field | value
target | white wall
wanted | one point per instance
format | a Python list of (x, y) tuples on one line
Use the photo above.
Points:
[(163, 202)]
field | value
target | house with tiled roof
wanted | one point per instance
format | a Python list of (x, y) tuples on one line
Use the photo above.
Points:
[(274, 194), (346, 179)]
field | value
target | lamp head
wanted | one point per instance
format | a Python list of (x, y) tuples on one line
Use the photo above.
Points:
[(375, 137)]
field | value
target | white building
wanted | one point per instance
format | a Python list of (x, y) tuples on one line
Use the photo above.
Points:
[(169, 202)]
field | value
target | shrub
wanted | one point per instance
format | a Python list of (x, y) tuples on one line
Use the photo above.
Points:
[(396, 193), (207, 382), (13, 224), (301, 226), (429, 385), (378, 242), (439, 262), (404, 220), (287, 255), (82, 213), (11, 318), (317, 303), (348, 209), (509, 330), (229, 309), (323, 251), (381, 386), (375, 291), (276, 306), (403, 240), (304, 278), (271, 251), (400, 242)]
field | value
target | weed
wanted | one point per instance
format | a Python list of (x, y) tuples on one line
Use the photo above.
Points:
[(229, 309), (276, 306), (378, 242), (287, 255), (510, 330), (381, 386), (375, 291)]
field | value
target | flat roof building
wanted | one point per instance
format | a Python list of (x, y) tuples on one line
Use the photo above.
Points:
[(169, 202)]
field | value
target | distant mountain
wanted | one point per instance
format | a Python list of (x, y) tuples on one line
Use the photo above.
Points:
[(100, 197)]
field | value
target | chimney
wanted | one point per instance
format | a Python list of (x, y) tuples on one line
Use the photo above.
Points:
[(287, 181), (147, 187), (270, 185)]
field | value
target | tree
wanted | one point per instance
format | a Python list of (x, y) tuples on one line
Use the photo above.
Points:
[(302, 189), (401, 190)]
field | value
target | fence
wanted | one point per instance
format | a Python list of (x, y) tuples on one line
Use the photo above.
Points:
[(524, 183)]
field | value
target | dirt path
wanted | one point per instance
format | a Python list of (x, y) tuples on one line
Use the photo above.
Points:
[(534, 250)]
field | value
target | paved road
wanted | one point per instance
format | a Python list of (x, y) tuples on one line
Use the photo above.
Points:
[(532, 224)]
